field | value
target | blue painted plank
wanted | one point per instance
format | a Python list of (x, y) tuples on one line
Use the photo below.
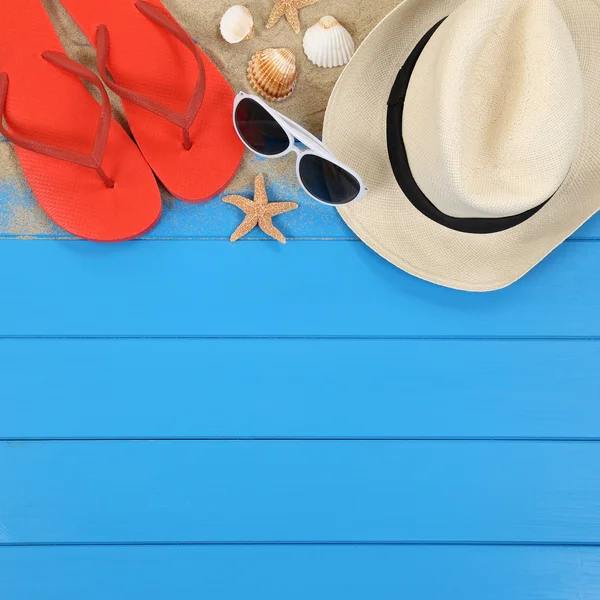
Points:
[(20, 216), (303, 289), (298, 573), (215, 491), (298, 388)]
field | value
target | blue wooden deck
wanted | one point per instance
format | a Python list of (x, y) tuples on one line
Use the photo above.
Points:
[(186, 418)]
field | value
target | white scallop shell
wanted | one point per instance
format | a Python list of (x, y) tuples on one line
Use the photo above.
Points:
[(328, 44), (237, 24)]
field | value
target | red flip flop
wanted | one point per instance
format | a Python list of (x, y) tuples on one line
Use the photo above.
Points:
[(85, 171), (177, 102)]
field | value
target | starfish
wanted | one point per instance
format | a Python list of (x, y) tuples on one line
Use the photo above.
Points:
[(259, 212), (290, 9)]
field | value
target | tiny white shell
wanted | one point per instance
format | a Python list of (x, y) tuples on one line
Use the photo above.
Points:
[(237, 24), (328, 43)]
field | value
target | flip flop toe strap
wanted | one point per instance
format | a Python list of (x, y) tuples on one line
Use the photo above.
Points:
[(183, 120), (93, 160)]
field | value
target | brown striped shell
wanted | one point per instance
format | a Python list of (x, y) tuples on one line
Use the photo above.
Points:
[(272, 73)]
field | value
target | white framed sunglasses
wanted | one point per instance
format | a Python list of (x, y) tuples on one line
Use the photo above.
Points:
[(270, 134)]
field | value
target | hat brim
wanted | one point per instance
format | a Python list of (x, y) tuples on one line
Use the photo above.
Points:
[(356, 131)]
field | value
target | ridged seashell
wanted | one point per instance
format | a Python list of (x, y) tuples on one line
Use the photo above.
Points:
[(237, 24), (328, 44), (272, 73)]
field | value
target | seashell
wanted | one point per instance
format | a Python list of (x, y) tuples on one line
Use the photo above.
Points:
[(328, 43), (272, 73), (237, 24)]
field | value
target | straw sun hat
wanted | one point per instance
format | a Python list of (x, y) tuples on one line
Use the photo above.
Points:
[(476, 127)]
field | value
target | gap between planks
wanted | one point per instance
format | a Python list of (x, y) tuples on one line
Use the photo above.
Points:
[(492, 439), (323, 338), (305, 543)]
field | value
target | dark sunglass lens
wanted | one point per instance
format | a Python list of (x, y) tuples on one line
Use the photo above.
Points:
[(259, 129), (328, 182)]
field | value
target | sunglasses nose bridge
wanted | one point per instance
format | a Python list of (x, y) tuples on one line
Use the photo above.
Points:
[(264, 131)]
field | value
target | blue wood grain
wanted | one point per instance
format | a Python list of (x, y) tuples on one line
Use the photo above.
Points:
[(348, 491), (298, 573), (175, 491), (266, 289), (286, 388)]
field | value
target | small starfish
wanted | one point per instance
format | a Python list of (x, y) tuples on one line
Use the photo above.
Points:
[(259, 212), (290, 9)]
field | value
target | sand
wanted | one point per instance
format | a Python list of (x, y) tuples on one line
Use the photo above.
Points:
[(201, 19)]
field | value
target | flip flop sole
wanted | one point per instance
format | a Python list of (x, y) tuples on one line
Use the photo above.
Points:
[(146, 59), (52, 106)]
